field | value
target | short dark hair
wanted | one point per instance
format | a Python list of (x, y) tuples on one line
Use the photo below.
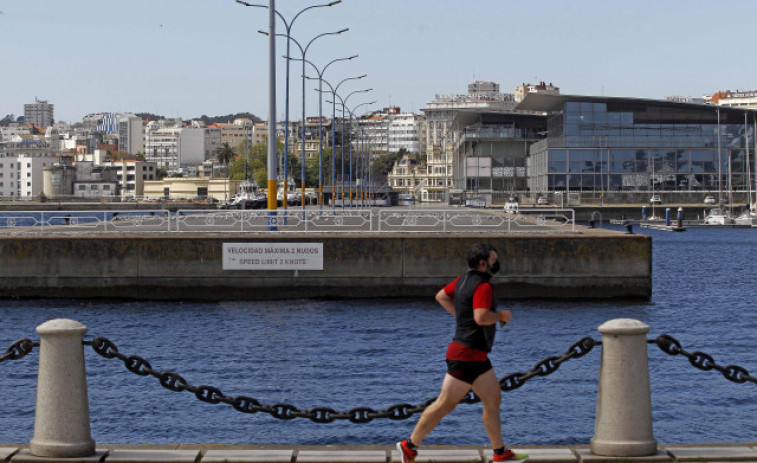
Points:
[(478, 252)]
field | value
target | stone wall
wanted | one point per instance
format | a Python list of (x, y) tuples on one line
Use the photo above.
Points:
[(590, 265)]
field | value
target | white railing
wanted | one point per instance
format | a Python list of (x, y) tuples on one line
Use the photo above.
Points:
[(288, 220), (97, 221), (382, 220)]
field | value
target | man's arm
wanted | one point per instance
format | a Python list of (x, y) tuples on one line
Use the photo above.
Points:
[(445, 301), (487, 317)]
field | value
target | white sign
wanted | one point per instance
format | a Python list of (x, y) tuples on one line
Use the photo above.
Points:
[(273, 256)]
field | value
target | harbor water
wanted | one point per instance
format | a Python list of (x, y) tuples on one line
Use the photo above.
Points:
[(375, 353)]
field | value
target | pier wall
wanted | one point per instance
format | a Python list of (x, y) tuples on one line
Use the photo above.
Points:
[(191, 267)]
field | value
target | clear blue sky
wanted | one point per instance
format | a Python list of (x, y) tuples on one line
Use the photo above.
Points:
[(186, 58)]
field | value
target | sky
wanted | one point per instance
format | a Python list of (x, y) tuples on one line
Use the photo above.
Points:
[(187, 58)]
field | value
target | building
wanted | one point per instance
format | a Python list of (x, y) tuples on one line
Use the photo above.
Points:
[(406, 133), (94, 182), (197, 145), (130, 134), (21, 175), (737, 99), (610, 144), (489, 150), (440, 115), (39, 113), (522, 90), (131, 176), (162, 145), (406, 175)]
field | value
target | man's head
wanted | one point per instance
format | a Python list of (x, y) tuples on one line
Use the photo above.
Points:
[(484, 258)]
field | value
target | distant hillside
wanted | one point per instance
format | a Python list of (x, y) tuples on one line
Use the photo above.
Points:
[(207, 119)]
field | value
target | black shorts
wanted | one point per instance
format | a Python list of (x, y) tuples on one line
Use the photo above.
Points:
[(467, 372)]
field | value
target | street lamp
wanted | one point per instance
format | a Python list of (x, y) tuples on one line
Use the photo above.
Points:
[(344, 102), (320, 119), (288, 26), (303, 51), (352, 115), (333, 137)]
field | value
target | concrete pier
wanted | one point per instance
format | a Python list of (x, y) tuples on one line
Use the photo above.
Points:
[(193, 453), (592, 264)]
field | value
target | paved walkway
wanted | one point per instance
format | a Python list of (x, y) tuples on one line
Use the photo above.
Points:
[(186, 453)]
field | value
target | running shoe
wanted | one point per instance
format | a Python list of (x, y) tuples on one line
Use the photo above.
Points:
[(408, 455), (509, 455)]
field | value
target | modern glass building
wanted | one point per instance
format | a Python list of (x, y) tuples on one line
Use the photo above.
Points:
[(625, 144), (490, 150)]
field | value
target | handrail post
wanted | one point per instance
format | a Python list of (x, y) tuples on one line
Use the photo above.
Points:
[(61, 421), (623, 426)]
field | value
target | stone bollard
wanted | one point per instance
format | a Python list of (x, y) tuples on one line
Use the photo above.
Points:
[(623, 426), (61, 421)]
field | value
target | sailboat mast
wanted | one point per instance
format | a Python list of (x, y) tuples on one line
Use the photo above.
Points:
[(720, 166), (748, 168)]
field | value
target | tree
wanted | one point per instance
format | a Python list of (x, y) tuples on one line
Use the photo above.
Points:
[(225, 155)]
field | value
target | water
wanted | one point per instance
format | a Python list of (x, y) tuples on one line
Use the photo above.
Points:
[(345, 354)]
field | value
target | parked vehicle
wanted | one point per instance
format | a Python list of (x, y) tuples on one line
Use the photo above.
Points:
[(542, 202), (655, 199), (709, 200)]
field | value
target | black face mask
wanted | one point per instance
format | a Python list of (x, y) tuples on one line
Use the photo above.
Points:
[(494, 268)]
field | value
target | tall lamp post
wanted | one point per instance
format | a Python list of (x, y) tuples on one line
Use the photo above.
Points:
[(344, 110), (333, 137), (352, 115), (303, 51), (288, 26), (320, 120)]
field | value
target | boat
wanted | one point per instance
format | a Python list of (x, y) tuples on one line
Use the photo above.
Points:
[(248, 196), (748, 217), (718, 216), (292, 197), (511, 206)]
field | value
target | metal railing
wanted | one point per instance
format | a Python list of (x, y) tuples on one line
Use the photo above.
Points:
[(380, 220)]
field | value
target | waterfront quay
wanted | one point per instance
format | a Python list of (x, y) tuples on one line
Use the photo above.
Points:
[(217, 453), (392, 252)]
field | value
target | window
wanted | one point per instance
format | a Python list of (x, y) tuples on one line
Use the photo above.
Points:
[(82, 187)]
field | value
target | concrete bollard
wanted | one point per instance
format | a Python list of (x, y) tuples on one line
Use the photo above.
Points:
[(61, 421), (623, 426)]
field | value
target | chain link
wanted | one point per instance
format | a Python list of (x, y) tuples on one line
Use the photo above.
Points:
[(705, 362), (18, 349), (245, 404)]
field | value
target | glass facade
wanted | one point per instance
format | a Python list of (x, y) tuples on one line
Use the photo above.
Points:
[(639, 145)]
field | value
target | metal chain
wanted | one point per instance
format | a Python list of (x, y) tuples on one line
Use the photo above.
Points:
[(18, 349), (282, 411), (670, 345)]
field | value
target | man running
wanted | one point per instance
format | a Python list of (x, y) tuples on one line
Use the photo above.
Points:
[(470, 299)]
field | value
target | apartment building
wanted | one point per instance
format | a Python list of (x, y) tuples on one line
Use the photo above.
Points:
[(21, 175), (39, 113)]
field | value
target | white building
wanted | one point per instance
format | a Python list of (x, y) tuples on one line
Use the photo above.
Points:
[(737, 99), (7, 133), (440, 113), (406, 132), (198, 144), (39, 113), (130, 134), (390, 130), (162, 144), (21, 175)]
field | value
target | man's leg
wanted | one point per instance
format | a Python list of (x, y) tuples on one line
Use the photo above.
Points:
[(486, 387), (453, 391)]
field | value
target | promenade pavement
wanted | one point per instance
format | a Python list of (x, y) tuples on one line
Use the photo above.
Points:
[(189, 453)]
